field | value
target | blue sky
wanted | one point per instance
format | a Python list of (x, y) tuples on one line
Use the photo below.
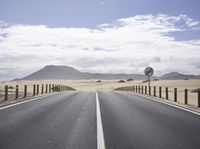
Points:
[(89, 13), (27, 27)]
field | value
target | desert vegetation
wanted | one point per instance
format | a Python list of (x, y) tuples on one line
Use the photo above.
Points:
[(130, 79), (99, 81), (121, 81)]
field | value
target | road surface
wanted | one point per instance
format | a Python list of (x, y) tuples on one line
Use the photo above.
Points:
[(69, 120)]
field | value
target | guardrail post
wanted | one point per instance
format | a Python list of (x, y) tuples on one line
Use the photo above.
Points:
[(145, 89), (37, 89), (6, 93), (25, 91), (136, 89), (42, 89), (46, 88), (34, 90), (167, 93), (149, 90), (154, 90), (17, 91), (142, 89), (198, 98), (160, 92), (175, 94), (186, 96)]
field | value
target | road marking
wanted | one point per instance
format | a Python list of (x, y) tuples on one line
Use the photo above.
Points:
[(100, 136), (22, 102), (170, 104)]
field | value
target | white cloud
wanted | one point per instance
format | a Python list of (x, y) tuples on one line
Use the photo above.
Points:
[(126, 46)]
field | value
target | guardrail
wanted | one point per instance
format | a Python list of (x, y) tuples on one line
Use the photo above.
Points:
[(23, 91), (164, 93)]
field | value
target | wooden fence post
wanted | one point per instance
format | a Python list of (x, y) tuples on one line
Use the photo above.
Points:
[(149, 90), (42, 89), (136, 89), (199, 99), (154, 90), (142, 89), (34, 90), (6, 93), (175, 94), (25, 91), (160, 92), (17, 91), (167, 93), (145, 89), (53, 88), (49, 88), (37, 89), (186, 96), (46, 88)]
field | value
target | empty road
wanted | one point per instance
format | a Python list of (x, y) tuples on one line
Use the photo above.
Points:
[(73, 120)]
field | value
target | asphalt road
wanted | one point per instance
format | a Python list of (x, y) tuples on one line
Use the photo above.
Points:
[(68, 120), (132, 122), (63, 121)]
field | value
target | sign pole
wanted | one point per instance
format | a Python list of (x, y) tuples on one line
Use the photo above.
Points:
[(149, 81), (149, 72)]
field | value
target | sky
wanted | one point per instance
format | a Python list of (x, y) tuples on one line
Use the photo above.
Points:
[(105, 36)]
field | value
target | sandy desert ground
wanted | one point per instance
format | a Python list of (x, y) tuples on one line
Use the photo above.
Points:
[(109, 85)]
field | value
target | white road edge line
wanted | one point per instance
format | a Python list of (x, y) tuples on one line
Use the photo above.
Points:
[(170, 104), (22, 102), (100, 136)]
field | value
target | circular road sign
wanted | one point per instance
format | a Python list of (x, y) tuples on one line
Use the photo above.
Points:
[(148, 71)]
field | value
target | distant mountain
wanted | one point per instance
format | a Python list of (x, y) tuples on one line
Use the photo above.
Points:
[(54, 72), (51, 72), (69, 73), (178, 76)]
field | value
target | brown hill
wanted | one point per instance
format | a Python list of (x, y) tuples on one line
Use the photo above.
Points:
[(69, 73)]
